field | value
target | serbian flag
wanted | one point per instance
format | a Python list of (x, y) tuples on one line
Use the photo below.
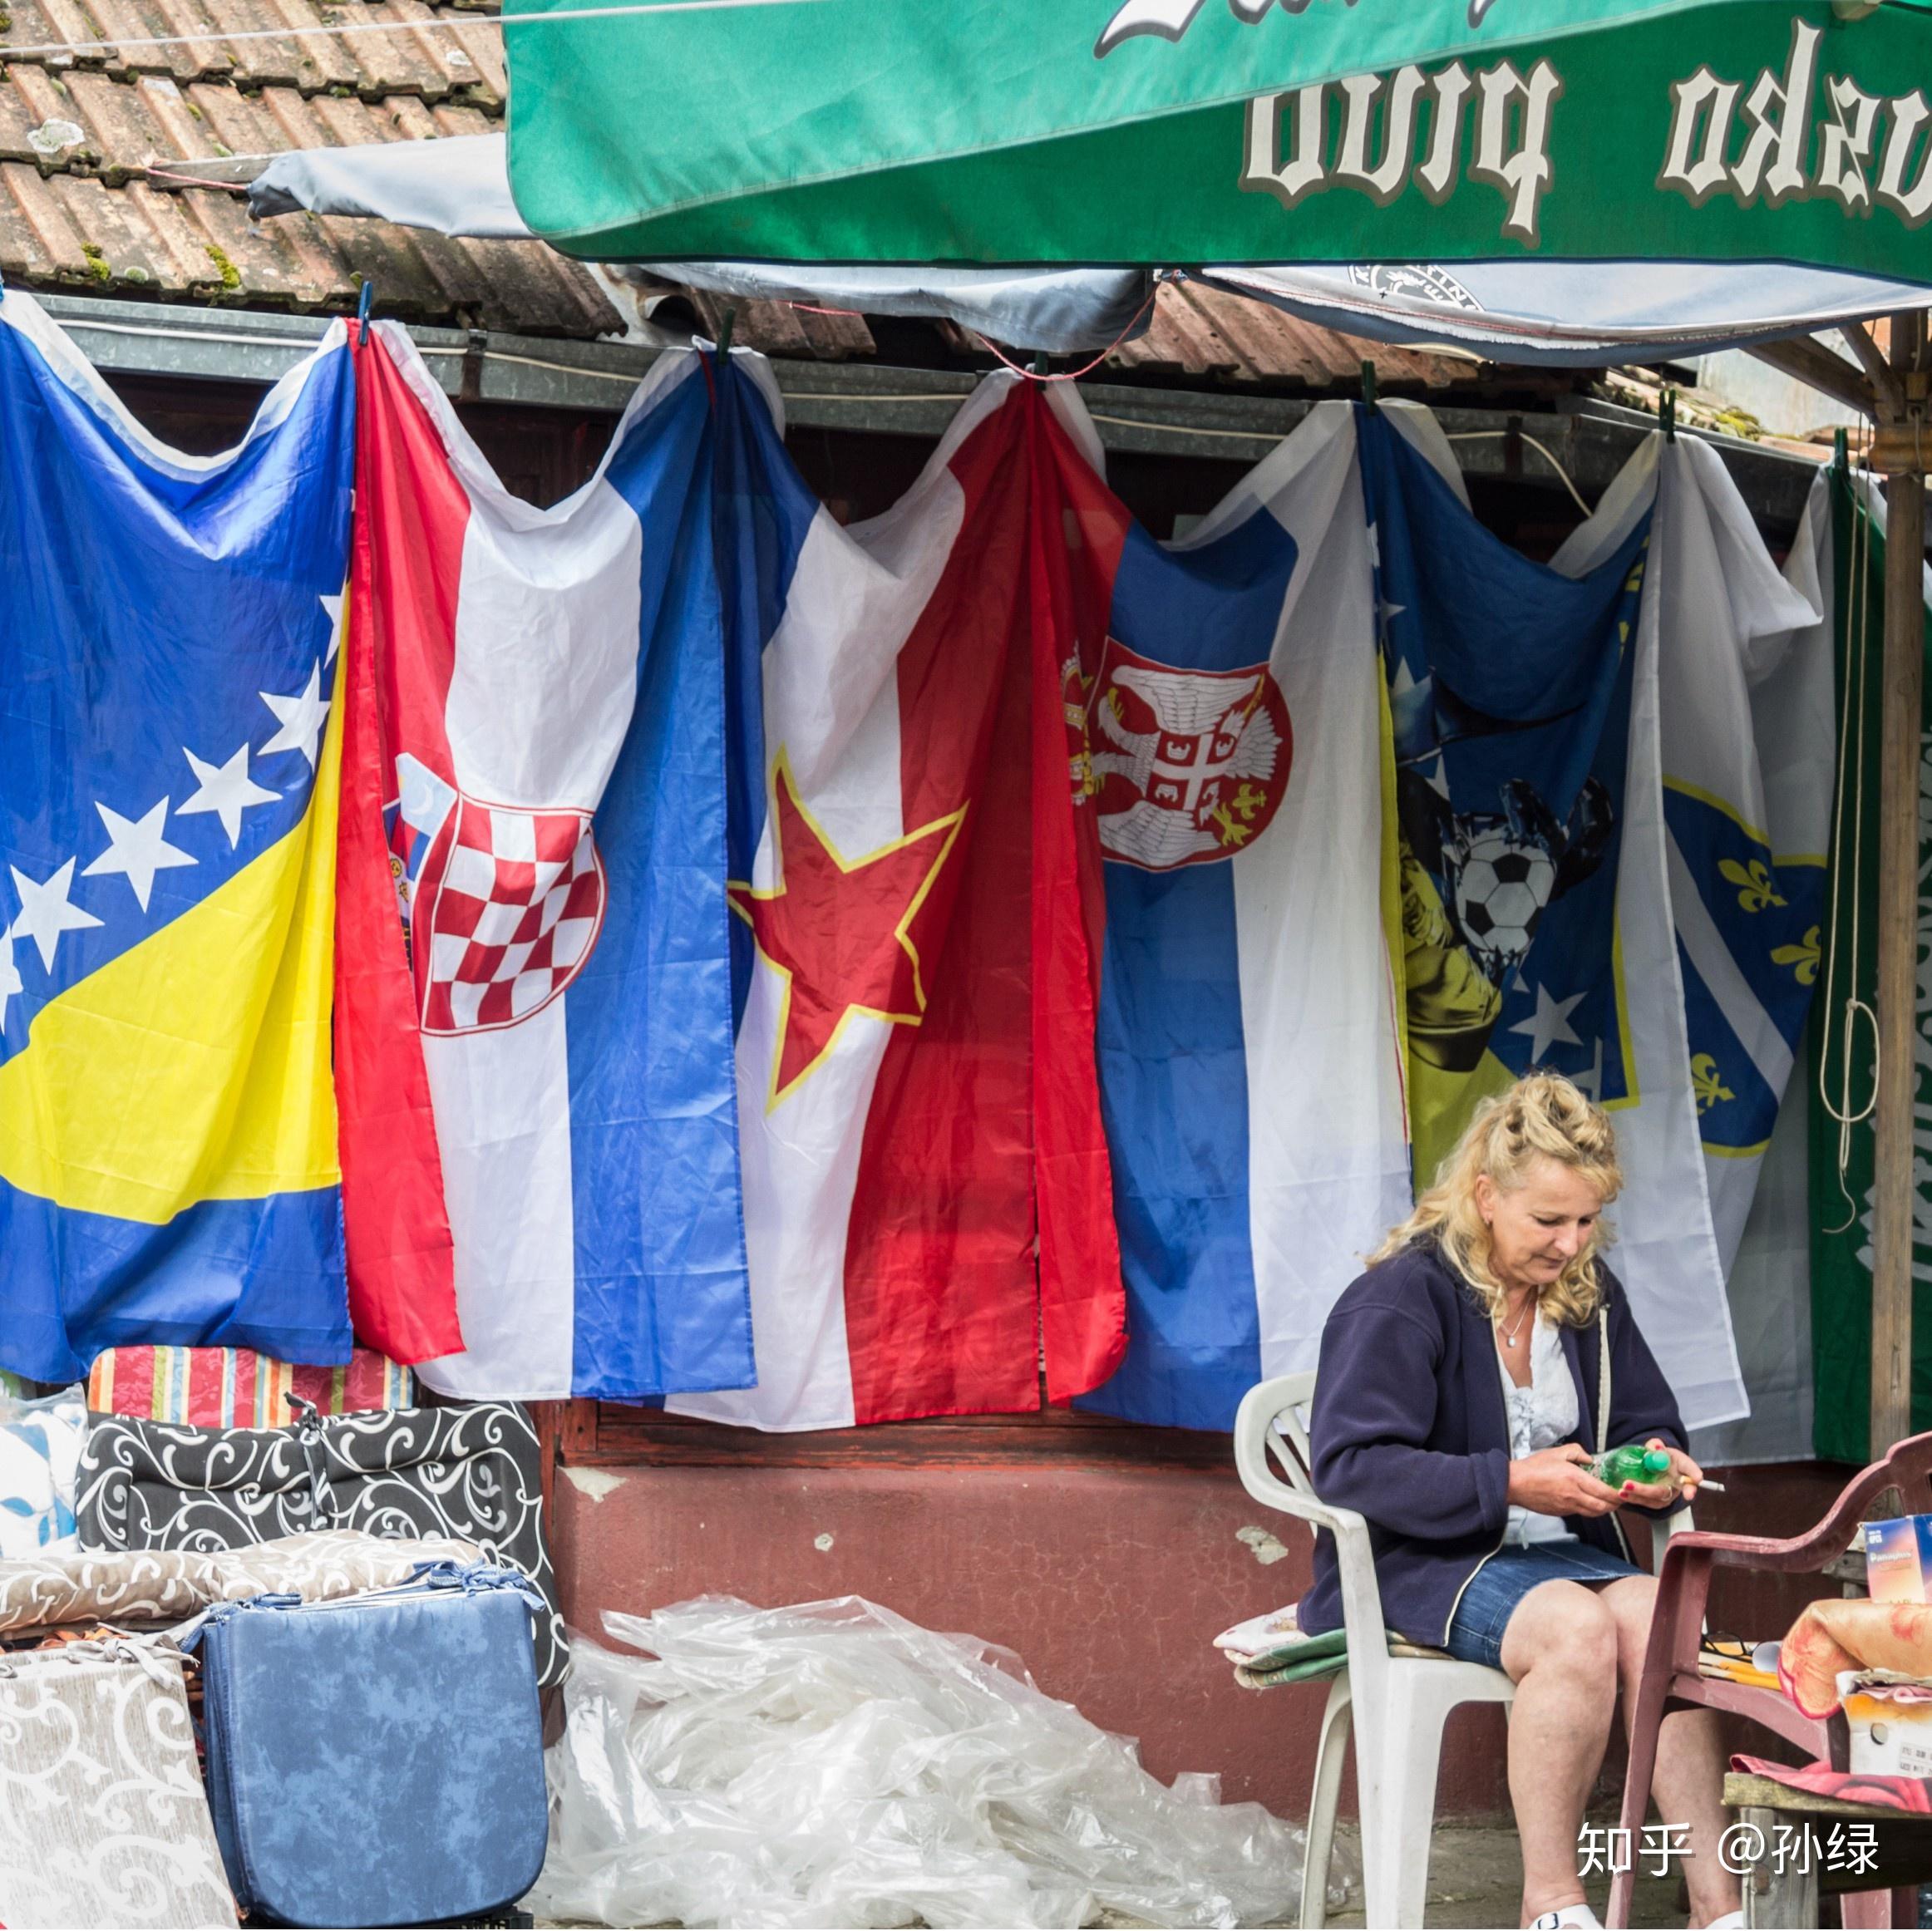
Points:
[(927, 1189), (549, 749), (1250, 1049)]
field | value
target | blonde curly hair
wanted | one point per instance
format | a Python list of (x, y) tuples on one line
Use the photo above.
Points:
[(1542, 1115)]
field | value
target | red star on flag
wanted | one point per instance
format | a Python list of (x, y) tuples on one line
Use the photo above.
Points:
[(838, 928)]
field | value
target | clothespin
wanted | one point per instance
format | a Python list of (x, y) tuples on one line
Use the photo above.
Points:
[(365, 302), (1841, 455), (1042, 364), (1666, 415), (1368, 384), (724, 336)]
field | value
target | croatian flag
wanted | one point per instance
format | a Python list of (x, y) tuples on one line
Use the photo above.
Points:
[(549, 754), (1250, 1066), (928, 1207)]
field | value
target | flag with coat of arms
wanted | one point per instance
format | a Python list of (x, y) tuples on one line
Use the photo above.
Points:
[(544, 762), (1235, 752)]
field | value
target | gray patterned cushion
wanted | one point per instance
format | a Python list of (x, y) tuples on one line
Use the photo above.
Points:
[(474, 1473)]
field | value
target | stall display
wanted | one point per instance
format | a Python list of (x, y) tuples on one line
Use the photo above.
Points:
[(40, 1457), (471, 1473), (137, 1588), (103, 1819), (233, 1387), (378, 1759)]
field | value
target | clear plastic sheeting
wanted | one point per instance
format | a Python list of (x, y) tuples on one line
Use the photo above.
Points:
[(834, 1764)]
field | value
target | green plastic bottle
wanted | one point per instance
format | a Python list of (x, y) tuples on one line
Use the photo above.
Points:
[(1631, 1463)]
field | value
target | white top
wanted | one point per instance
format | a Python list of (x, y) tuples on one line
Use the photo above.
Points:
[(1541, 1415)]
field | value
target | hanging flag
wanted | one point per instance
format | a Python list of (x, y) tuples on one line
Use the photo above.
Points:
[(168, 771), (1746, 733), (1233, 748), (1636, 906), (551, 709), (1845, 521), (927, 1200), (1509, 689), (1719, 889)]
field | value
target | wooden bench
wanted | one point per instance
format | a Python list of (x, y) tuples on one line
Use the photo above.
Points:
[(1784, 1891)]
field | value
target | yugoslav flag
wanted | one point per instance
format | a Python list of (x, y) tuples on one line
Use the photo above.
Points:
[(927, 1200), (1233, 744), (168, 758), (551, 755)]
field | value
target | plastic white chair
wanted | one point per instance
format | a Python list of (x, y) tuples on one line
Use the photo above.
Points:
[(1399, 1703)]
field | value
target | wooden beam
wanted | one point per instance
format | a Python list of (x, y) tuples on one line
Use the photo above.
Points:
[(1902, 706), (1813, 363), (1884, 381)]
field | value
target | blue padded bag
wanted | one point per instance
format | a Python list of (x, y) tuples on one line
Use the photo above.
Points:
[(377, 1759)]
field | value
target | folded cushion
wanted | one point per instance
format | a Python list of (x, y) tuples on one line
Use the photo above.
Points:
[(473, 1472), (234, 1388), (133, 1587), (40, 1453), (103, 1819)]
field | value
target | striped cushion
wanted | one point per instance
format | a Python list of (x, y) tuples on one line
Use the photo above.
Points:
[(228, 1388)]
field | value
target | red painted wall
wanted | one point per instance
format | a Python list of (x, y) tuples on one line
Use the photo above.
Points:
[(1110, 1584)]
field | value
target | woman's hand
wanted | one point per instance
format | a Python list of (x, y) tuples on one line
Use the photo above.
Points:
[(1684, 1477), (1558, 1481)]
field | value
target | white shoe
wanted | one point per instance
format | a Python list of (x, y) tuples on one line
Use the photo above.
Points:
[(1730, 1921), (1577, 1914)]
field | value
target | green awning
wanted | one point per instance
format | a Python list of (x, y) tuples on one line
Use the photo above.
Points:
[(1181, 131)]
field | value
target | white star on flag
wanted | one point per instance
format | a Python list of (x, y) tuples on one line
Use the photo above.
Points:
[(333, 606), (1549, 1025), (301, 715), (137, 849), (45, 912), (9, 974), (227, 790)]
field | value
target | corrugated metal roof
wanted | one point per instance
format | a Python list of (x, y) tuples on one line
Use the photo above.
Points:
[(87, 200)]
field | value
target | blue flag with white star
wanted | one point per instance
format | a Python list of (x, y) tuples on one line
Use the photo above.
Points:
[(168, 763), (1509, 687)]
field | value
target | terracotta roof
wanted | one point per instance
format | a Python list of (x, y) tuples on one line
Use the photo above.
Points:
[(1197, 331), (89, 201), (1196, 335), (86, 200)]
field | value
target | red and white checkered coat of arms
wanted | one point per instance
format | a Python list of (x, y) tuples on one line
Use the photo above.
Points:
[(505, 913)]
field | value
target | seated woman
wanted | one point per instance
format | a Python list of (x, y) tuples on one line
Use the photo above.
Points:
[(1467, 1380)]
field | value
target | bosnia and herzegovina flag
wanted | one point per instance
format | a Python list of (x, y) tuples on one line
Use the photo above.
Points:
[(168, 1160)]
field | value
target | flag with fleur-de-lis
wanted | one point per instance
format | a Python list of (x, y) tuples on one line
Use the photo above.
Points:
[(1718, 908), (1745, 724)]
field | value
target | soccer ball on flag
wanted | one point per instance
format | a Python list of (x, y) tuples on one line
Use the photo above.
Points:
[(1501, 887)]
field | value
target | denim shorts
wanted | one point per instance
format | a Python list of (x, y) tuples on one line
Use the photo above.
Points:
[(1493, 1591)]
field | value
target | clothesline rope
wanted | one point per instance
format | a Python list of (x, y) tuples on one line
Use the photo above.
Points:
[(341, 29), (1085, 368), (935, 400), (1497, 434)]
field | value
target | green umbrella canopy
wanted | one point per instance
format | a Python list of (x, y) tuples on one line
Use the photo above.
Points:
[(1151, 131)]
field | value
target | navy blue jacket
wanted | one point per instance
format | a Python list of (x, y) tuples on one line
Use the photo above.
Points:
[(1410, 1430)]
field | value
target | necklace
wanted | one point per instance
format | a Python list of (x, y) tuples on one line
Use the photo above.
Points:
[(1510, 1333)]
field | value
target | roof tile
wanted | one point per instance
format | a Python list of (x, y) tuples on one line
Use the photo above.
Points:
[(90, 141)]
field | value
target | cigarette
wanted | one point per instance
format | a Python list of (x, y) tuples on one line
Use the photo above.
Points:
[(1715, 1488)]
